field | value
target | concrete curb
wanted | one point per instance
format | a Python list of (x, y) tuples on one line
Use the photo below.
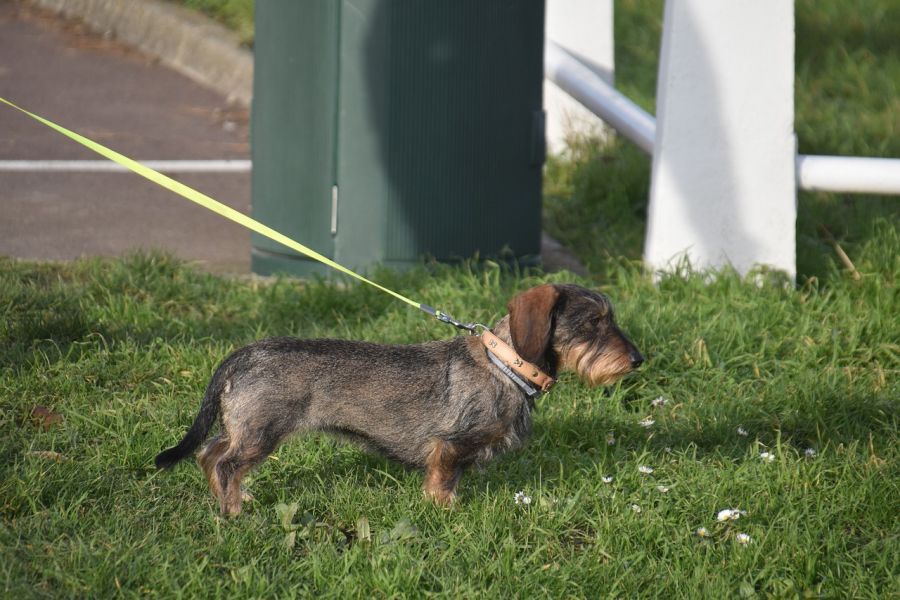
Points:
[(180, 38)]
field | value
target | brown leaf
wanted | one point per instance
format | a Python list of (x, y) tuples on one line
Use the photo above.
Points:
[(45, 417), (48, 455)]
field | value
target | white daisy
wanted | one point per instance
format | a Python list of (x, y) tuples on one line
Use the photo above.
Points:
[(767, 456), (810, 453), (606, 479), (635, 508), (742, 432), (645, 469), (702, 532), (522, 498), (646, 422), (729, 514), (660, 401), (662, 489), (743, 539)]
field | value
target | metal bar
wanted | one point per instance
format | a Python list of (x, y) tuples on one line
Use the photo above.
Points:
[(850, 174), (602, 99)]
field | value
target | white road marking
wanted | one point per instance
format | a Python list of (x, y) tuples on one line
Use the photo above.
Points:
[(106, 166)]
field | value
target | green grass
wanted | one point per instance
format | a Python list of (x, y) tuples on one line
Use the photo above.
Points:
[(122, 349), (235, 14)]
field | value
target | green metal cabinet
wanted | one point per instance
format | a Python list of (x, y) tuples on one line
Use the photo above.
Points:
[(388, 130)]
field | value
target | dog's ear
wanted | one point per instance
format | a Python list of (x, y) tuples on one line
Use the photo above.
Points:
[(530, 317)]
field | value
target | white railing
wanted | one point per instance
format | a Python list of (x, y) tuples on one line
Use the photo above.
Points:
[(848, 174), (851, 174), (602, 99)]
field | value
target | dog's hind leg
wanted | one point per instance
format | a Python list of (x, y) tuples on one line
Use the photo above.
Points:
[(208, 458), (229, 472), (442, 472), (233, 464)]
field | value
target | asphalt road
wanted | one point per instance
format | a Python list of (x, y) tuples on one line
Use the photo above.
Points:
[(134, 105), (114, 95)]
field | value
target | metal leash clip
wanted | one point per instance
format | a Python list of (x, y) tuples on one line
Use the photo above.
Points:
[(445, 318)]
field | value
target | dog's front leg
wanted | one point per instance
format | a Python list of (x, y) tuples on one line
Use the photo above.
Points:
[(442, 472)]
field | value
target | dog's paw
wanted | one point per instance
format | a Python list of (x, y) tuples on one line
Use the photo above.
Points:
[(443, 498)]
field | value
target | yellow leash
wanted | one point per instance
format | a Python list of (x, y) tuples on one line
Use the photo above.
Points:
[(227, 212)]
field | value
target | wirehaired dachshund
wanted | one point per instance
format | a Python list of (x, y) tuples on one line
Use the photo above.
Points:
[(439, 406)]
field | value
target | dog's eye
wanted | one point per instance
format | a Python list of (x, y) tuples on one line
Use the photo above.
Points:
[(594, 324)]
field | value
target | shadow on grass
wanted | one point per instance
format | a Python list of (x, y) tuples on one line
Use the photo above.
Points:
[(831, 419), (578, 444), (61, 312)]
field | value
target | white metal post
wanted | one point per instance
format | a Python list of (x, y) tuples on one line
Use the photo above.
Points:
[(583, 28), (723, 190)]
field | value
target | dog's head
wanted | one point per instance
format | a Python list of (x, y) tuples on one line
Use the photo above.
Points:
[(568, 327)]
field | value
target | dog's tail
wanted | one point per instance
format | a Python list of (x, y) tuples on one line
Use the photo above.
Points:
[(209, 410)]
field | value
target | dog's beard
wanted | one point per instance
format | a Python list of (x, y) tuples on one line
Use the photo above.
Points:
[(597, 366)]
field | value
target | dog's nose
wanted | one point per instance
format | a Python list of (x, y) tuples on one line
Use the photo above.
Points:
[(636, 360)]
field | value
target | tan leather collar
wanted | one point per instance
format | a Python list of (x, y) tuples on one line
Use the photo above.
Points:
[(511, 359)]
